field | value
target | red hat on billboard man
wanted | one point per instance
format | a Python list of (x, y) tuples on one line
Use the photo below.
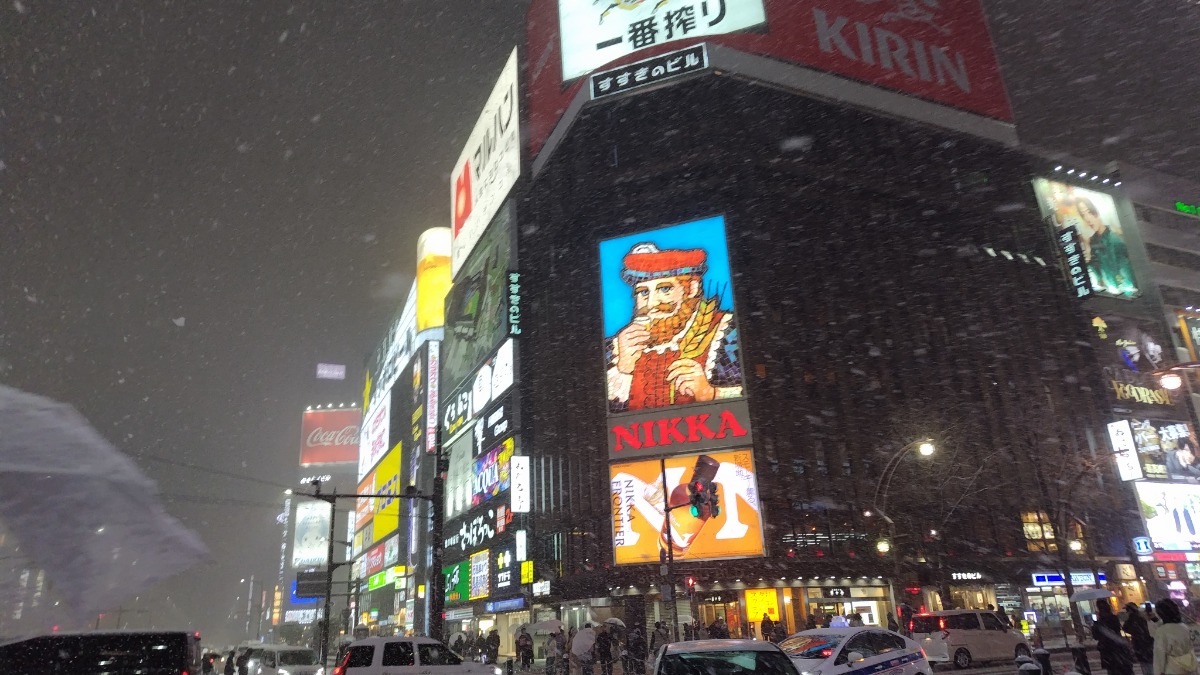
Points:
[(665, 355)]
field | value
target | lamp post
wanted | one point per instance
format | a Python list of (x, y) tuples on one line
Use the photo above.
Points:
[(924, 448)]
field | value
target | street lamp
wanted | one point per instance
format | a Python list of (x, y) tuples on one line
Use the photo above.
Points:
[(924, 448)]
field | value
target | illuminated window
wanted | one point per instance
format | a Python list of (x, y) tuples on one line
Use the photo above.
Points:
[(1039, 533)]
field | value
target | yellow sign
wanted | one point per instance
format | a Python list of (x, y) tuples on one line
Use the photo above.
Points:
[(387, 481), (527, 572), (277, 607), (731, 530), (761, 601), (433, 277)]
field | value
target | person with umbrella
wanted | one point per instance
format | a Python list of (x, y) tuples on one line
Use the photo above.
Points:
[(582, 648), (1173, 650)]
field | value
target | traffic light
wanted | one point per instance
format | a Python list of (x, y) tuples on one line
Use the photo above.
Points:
[(702, 494), (691, 586)]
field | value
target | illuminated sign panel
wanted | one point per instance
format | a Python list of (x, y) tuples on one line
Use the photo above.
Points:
[(760, 601), (480, 583), (1101, 240), (329, 436), (521, 488), (493, 474), (1124, 450), (1129, 351), (1166, 450), (671, 352), (489, 166), (732, 530), (1170, 513), (373, 442), (310, 546), (458, 577), (596, 33), (649, 71)]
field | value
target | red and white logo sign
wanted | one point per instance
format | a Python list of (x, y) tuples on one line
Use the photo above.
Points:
[(329, 436), (462, 197), (374, 560)]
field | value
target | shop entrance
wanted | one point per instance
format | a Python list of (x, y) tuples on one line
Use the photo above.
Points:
[(721, 606)]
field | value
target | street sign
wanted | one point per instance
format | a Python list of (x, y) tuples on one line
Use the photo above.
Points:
[(310, 584)]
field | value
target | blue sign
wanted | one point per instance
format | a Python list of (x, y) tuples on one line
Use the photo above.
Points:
[(302, 601), (1142, 546), (505, 605)]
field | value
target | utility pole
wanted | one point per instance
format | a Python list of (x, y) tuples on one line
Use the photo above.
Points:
[(331, 498)]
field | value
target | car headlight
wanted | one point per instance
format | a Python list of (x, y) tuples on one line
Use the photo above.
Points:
[(496, 671), (811, 672), (283, 671), (320, 671)]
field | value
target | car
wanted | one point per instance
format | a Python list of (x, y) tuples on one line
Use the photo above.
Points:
[(148, 652), (833, 651), (287, 660), (726, 657), (407, 656), (966, 636)]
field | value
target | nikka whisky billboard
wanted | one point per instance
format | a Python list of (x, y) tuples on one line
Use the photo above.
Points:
[(729, 525), (673, 371)]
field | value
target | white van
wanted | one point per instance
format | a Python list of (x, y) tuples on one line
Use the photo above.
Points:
[(966, 636), (407, 656), (287, 660)]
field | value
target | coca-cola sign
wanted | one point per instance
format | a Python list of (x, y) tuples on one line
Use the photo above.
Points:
[(330, 436)]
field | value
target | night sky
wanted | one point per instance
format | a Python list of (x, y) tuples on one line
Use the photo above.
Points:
[(199, 201)]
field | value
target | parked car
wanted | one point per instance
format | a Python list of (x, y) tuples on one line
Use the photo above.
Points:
[(831, 651), (143, 652), (727, 657), (966, 636), (287, 660), (407, 656)]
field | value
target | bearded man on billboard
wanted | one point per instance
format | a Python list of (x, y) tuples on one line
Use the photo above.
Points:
[(680, 347)]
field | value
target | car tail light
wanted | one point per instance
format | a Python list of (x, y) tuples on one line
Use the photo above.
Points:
[(339, 670), (942, 625), (826, 653)]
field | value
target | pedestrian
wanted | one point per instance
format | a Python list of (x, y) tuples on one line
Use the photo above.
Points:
[(854, 620), (243, 663), (1138, 630), (1173, 651), (1116, 653), (718, 630), (456, 645), (635, 652), (892, 625), (551, 647), (493, 647), (229, 662), (582, 648), (603, 649), (767, 627), (780, 633), (525, 649), (659, 638)]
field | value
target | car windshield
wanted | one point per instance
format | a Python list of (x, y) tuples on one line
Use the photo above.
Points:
[(298, 657), (811, 646), (732, 662)]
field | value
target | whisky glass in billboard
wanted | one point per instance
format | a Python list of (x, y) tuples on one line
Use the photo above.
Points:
[(1093, 217), (653, 510), (670, 334)]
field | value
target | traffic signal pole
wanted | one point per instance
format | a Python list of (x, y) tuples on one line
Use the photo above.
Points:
[(670, 567), (331, 499)]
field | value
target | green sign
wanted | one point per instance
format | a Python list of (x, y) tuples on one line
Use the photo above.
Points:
[(377, 581), (458, 581), (1190, 209)]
